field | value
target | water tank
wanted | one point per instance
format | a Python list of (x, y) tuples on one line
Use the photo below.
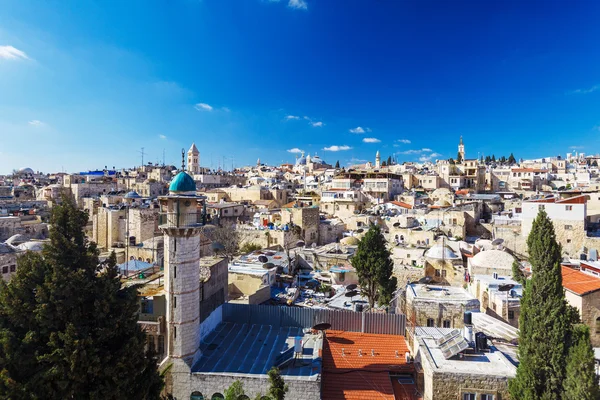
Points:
[(468, 333), (358, 307), (467, 319), (481, 341), (298, 344)]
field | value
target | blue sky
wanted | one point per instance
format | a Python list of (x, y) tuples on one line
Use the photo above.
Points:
[(86, 84)]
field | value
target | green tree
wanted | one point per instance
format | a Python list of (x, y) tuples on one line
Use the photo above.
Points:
[(544, 324), (580, 382), (594, 163), (277, 387), (69, 330), (249, 247), (517, 274), (337, 164), (389, 161), (502, 160), (488, 159), (459, 158), (384, 164), (511, 159), (493, 158), (234, 391), (374, 268), (451, 161)]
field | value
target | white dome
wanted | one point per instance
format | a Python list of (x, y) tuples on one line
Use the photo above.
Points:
[(493, 259), (16, 240), (31, 246), (26, 171), (439, 252)]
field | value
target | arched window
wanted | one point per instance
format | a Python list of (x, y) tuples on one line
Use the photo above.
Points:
[(598, 325), (217, 396), (243, 397), (196, 396)]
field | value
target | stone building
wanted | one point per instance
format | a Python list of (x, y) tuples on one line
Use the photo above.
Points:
[(444, 265), (473, 374), (8, 261), (491, 261), (582, 291), (438, 306), (307, 218), (504, 305)]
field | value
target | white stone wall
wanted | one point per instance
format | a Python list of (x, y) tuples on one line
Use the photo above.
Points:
[(182, 283)]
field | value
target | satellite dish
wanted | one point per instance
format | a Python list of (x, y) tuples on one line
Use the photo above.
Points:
[(351, 293), (322, 326), (263, 259), (497, 242), (300, 243), (351, 287), (425, 280), (216, 246), (396, 224), (268, 265), (505, 287), (360, 230)]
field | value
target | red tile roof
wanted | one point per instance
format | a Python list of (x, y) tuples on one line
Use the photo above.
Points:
[(354, 377), (401, 204), (578, 282)]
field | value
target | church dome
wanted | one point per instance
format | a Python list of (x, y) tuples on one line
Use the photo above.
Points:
[(132, 195), (493, 259), (28, 171), (182, 183)]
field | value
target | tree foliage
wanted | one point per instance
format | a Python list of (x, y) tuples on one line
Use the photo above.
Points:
[(544, 323), (69, 330), (277, 387), (511, 159), (581, 382), (374, 268), (227, 236), (337, 164), (459, 158), (517, 274), (234, 391)]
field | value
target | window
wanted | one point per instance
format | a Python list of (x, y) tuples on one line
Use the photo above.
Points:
[(511, 314), (568, 227), (13, 268), (486, 397), (147, 306), (408, 256), (469, 396), (598, 325), (161, 344), (446, 323), (541, 207), (568, 240), (175, 272), (217, 396), (196, 396), (443, 273), (5, 270), (174, 302), (175, 332), (430, 322)]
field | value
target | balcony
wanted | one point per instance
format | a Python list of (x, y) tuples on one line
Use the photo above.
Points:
[(180, 220)]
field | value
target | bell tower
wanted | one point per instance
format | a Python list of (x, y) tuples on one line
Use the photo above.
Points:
[(461, 150), (193, 160), (181, 221)]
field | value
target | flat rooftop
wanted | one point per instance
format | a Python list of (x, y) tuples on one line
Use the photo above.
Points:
[(439, 293), (252, 349), (492, 363)]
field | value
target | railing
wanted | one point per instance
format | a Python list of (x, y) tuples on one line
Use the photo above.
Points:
[(179, 220)]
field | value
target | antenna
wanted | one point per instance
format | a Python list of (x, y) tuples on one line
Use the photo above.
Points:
[(142, 153), (182, 159), (163, 157)]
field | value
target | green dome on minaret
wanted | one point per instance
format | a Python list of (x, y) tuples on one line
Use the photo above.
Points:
[(182, 183)]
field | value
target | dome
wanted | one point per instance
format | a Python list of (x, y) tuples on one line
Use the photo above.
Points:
[(440, 252), (301, 161), (349, 241), (26, 171), (15, 240), (182, 183), (317, 160), (493, 259), (31, 246), (6, 248), (132, 195)]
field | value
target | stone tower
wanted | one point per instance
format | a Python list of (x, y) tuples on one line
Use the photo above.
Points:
[(180, 222), (377, 160), (193, 160), (461, 149)]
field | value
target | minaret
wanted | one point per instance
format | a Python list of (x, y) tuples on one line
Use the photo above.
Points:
[(377, 160), (193, 160), (461, 149), (180, 222)]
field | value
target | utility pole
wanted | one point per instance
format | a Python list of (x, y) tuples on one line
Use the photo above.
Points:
[(142, 153), (163, 157)]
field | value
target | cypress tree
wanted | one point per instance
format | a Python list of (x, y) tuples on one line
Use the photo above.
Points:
[(389, 161), (459, 158), (277, 387), (581, 382), (69, 330), (511, 159), (544, 323), (337, 164), (374, 268)]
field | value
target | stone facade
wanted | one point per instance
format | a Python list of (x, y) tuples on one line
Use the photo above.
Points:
[(445, 311), (8, 264), (452, 386), (183, 384), (306, 218)]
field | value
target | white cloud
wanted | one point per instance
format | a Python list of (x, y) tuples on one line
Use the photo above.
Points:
[(360, 129), (203, 107), (425, 158), (317, 124), (435, 155), (576, 147), (295, 150), (298, 4), (11, 53), (405, 141), (371, 140), (226, 109), (586, 91), (425, 149), (410, 152), (337, 148), (163, 137), (35, 122), (289, 117)]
